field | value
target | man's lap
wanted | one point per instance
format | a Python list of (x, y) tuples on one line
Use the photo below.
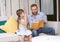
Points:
[(45, 30)]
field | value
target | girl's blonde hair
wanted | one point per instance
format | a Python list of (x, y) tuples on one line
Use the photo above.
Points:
[(19, 12)]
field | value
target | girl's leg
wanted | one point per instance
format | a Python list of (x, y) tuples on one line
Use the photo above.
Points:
[(22, 38), (30, 38)]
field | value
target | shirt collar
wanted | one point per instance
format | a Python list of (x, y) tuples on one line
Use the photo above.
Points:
[(36, 15)]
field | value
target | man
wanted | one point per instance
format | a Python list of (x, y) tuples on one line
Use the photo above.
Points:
[(36, 16)]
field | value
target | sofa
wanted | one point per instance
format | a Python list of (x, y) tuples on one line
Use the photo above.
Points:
[(12, 37)]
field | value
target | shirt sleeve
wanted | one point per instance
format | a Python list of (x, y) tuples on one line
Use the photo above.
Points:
[(44, 17)]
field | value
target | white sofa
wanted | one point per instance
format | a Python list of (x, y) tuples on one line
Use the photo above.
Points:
[(7, 37), (13, 37), (46, 38)]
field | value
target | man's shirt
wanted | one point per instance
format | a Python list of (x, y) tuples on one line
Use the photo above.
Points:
[(38, 17)]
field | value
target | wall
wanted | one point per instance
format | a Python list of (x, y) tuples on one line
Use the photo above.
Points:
[(9, 7)]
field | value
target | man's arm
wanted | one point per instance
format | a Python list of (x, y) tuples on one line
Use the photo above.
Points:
[(44, 18)]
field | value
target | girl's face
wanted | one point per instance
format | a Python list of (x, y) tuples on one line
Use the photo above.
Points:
[(22, 15)]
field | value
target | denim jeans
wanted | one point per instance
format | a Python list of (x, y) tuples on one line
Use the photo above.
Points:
[(46, 30)]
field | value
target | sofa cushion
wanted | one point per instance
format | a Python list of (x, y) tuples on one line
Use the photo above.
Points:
[(2, 31), (10, 26), (2, 22)]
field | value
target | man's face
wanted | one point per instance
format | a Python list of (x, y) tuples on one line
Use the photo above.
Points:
[(34, 10)]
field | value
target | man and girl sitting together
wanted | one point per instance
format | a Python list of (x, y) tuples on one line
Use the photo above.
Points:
[(35, 16)]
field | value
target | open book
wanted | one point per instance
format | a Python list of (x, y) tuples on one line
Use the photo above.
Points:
[(36, 25)]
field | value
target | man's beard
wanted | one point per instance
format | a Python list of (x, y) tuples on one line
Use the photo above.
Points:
[(34, 13)]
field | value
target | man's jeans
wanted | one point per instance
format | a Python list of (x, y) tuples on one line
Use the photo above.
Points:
[(46, 30)]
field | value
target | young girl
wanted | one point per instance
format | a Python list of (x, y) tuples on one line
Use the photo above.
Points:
[(22, 25)]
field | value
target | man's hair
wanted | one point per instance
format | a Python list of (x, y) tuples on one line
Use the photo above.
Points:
[(33, 5)]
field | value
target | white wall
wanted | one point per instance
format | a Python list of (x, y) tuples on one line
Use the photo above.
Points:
[(9, 7)]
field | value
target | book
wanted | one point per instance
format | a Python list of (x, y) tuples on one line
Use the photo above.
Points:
[(41, 23), (37, 25)]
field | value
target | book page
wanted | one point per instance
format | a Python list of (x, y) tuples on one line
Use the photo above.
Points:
[(37, 25)]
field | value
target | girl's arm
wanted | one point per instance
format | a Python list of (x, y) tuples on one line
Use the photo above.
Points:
[(25, 20)]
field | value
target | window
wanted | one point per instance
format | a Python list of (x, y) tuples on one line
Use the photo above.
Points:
[(49, 7)]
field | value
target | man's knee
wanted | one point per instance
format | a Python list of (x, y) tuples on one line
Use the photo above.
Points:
[(34, 33), (51, 30)]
